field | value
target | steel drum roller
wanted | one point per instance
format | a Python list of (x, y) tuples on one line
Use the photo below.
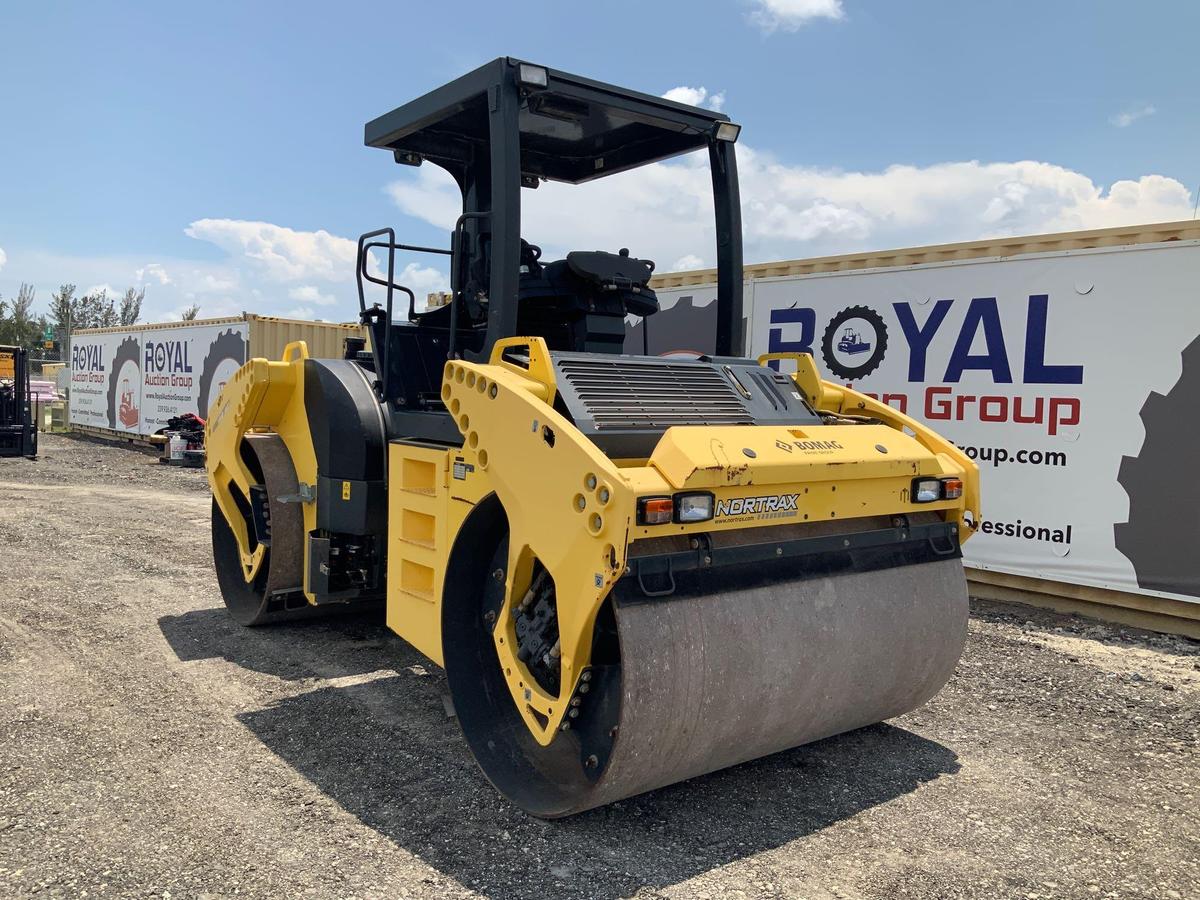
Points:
[(735, 665)]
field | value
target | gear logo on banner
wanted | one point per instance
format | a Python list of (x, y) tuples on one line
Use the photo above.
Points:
[(855, 342), (1161, 545), (225, 356), (125, 386)]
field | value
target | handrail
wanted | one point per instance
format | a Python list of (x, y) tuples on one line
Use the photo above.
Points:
[(365, 245), (392, 248), (412, 248), (360, 268), (364, 250)]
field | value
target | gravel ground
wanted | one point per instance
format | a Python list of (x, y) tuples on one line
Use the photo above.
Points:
[(150, 747)]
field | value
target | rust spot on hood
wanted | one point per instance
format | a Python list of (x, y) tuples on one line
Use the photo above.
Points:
[(734, 473)]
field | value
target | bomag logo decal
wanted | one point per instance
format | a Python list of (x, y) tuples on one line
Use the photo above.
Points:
[(773, 505), (809, 445)]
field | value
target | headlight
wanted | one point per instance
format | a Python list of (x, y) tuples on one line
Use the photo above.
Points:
[(926, 490), (693, 507), (681, 509), (532, 76), (727, 131)]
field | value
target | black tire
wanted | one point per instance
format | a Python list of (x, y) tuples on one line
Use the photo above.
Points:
[(130, 350), (1163, 531), (871, 363), (245, 601), (228, 345), (547, 782), (250, 603)]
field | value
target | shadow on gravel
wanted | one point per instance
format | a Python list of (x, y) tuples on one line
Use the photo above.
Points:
[(358, 642), (386, 752)]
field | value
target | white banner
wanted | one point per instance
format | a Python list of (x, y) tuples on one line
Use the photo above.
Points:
[(106, 381), (137, 380), (1072, 378)]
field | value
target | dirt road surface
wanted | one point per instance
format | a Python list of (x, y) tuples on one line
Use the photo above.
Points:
[(151, 747)]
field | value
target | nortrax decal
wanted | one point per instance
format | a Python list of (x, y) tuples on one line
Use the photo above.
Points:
[(746, 506)]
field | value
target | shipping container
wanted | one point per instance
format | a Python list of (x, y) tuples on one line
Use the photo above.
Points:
[(128, 382), (1067, 365)]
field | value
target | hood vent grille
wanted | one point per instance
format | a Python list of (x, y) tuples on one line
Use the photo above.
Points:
[(620, 394)]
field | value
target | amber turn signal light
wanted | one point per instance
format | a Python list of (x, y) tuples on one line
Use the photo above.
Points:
[(951, 488), (655, 510)]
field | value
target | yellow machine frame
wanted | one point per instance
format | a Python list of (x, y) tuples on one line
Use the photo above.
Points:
[(571, 507), (263, 395)]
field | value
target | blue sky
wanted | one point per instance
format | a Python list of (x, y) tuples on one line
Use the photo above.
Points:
[(213, 152)]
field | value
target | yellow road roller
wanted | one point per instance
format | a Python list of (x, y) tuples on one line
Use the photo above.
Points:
[(633, 569)]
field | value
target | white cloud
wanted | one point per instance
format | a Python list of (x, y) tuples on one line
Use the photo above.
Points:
[(221, 288), (210, 283), (1129, 116), (626, 210), (265, 261), (3, 257), (431, 196), (155, 271), (283, 253), (792, 15), (308, 293), (696, 96), (108, 289), (211, 308), (661, 212), (423, 279), (664, 211)]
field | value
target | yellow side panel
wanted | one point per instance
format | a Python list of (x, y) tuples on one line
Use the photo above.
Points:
[(431, 491), (416, 501)]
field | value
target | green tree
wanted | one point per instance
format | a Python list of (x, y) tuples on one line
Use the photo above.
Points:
[(96, 310), (105, 309), (69, 313), (62, 304), (131, 306), (191, 312), (18, 325)]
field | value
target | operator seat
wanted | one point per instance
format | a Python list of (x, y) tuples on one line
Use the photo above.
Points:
[(576, 304), (580, 303)]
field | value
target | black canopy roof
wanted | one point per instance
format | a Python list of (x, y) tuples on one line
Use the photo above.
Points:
[(573, 129)]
